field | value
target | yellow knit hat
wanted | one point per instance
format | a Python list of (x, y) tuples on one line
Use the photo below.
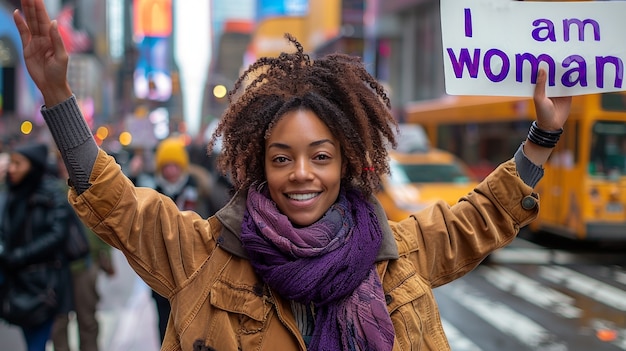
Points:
[(171, 150)]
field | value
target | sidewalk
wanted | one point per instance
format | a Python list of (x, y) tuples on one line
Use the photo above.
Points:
[(126, 313)]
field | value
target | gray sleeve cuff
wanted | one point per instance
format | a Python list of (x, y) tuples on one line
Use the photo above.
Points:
[(529, 172), (66, 123), (74, 140)]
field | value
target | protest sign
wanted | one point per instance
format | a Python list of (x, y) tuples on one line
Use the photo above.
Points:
[(495, 47)]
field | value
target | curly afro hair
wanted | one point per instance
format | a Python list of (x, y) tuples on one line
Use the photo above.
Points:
[(336, 87)]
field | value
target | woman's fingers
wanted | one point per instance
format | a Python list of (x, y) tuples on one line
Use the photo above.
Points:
[(36, 17), (57, 41), (551, 112), (540, 87), (22, 28), (33, 21)]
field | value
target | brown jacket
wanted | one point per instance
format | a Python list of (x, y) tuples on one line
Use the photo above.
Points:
[(216, 297)]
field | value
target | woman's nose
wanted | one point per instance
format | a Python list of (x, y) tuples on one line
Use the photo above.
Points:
[(301, 171)]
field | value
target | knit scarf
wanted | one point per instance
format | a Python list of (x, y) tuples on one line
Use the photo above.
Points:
[(329, 264)]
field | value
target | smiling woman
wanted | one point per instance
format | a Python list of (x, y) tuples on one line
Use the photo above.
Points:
[(303, 166), (303, 257)]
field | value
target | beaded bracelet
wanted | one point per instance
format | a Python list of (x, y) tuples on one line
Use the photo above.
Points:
[(543, 138)]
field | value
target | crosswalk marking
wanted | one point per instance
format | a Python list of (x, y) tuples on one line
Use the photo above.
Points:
[(505, 319), (525, 330), (530, 290), (620, 277), (582, 284), (457, 341), (522, 255)]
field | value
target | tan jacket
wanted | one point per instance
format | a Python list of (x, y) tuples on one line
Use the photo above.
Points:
[(216, 297)]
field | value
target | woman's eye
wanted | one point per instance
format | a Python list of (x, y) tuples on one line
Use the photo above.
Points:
[(322, 157), (280, 159)]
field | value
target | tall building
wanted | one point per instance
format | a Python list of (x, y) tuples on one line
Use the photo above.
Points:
[(225, 11)]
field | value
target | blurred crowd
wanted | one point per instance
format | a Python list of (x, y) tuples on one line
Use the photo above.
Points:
[(41, 285)]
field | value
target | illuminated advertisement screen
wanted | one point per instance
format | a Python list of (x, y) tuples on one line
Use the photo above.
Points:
[(281, 8), (152, 26), (152, 18)]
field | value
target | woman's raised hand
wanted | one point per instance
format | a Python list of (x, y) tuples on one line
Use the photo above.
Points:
[(552, 114), (44, 53)]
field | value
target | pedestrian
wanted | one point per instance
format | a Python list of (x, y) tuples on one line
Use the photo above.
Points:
[(84, 273), (35, 273), (302, 257), (220, 187), (174, 176)]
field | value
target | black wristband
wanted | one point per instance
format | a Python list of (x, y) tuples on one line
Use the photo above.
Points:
[(543, 138)]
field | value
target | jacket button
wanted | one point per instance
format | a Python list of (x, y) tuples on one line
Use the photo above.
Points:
[(388, 299), (529, 202)]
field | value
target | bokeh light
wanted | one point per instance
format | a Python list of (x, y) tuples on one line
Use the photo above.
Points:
[(102, 132), (219, 91), (125, 138), (26, 127)]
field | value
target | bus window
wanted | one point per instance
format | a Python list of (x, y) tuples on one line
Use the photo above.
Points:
[(614, 101), (608, 149)]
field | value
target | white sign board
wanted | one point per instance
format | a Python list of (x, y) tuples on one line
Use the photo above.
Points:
[(495, 47)]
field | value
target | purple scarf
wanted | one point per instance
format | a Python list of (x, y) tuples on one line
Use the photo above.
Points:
[(329, 263)]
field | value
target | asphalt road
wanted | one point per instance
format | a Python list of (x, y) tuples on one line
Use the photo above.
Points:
[(529, 298)]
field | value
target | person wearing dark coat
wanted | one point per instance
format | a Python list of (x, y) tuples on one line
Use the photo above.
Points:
[(35, 276)]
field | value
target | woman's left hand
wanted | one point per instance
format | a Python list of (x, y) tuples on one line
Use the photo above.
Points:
[(551, 112)]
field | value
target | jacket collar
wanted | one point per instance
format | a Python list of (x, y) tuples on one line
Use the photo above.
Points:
[(231, 217)]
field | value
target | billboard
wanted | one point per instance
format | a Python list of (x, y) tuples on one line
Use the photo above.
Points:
[(152, 28), (281, 8)]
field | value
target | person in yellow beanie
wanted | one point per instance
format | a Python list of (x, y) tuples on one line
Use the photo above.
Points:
[(171, 151), (172, 176)]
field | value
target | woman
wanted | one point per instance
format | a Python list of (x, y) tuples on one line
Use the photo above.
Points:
[(302, 257), (33, 231)]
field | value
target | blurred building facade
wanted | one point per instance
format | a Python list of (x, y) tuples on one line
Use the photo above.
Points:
[(117, 72), (399, 40), (233, 25), (123, 62), (123, 69), (82, 28)]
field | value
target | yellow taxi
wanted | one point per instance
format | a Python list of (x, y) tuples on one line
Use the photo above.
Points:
[(420, 178)]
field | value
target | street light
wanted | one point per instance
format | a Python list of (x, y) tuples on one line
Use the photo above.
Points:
[(219, 91)]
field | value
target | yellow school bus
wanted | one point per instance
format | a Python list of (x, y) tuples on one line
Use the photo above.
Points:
[(583, 192)]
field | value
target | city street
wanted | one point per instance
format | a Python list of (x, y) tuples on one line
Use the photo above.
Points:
[(528, 298), (127, 315), (301, 98), (525, 298)]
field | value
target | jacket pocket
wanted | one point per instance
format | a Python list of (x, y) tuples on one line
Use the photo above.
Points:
[(411, 311), (410, 290), (412, 307), (250, 302)]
